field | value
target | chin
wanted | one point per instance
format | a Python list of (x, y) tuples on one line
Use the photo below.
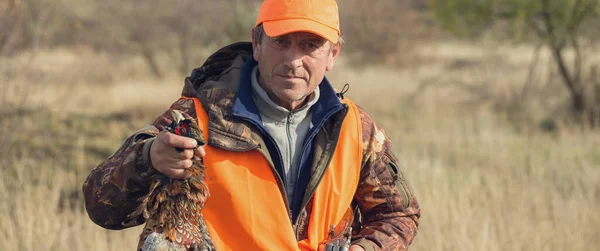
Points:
[(291, 95), (287, 98)]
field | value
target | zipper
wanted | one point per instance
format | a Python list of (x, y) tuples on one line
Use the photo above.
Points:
[(313, 184), (289, 138), (290, 158)]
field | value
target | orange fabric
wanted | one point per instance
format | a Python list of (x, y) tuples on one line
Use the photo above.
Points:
[(280, 17), (246, 211)]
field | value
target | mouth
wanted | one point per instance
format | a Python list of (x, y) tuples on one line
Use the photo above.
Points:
[(291, 78), (288, 76)]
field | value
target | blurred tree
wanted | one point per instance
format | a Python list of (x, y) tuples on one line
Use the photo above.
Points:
[(151, 27), (242, 20), (11, 22), (383, 31), (560, 25), (25, 24)]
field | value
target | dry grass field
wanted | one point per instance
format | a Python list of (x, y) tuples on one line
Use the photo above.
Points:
[(486, 176)]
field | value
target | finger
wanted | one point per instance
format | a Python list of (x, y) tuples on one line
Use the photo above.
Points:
[(185, 154), (178, 141), (200, 152), (184, 164), (163, 137), (356, 248), (176, 163)]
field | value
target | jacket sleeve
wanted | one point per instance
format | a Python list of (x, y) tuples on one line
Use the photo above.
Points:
[(389, 211), (114, 188)]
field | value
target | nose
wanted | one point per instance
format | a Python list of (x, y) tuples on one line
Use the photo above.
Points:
[(293, 57)]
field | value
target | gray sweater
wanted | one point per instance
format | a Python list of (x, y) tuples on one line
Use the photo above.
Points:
[(288, 128)]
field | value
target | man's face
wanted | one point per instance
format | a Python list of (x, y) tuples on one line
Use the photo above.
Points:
[(292, 66)]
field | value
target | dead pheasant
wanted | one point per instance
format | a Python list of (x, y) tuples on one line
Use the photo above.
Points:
[(173, 208)]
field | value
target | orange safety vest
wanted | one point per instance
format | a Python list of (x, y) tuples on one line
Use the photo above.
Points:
[(246, 211)]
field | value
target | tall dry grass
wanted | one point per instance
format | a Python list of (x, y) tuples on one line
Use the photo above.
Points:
[(482, 183)]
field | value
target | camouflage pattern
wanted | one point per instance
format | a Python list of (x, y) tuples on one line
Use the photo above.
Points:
[(387, 210)]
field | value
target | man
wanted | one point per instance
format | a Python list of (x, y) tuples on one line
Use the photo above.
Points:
[(286, 157)]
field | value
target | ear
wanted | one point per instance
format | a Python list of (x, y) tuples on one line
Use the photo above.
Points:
[(333, 54), (255, 47)]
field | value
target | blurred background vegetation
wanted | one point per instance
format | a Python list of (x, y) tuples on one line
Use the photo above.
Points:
[(494, 106)]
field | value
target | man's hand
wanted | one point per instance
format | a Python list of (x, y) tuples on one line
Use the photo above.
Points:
[(352, 248), (167, 160), (356, 248)]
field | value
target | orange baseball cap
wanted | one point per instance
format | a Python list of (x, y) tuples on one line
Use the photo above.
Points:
[(320, 17)]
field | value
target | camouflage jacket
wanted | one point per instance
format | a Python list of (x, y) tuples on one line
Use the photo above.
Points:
[(388, 212)]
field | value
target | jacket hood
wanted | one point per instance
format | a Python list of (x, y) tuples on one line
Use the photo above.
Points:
[(214, 66)]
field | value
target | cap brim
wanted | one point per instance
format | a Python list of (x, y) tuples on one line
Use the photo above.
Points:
[(281, 27)]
